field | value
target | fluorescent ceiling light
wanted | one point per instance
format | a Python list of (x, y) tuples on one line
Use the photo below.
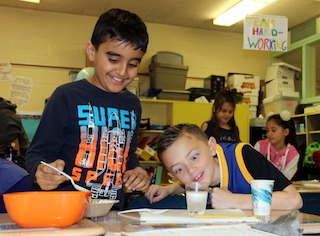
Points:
[(33, 1), (239, 11)]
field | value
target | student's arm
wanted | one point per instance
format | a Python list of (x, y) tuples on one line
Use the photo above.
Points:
[(287, 199), (135, 177), (204, 126), (285, 196), (156, 192), (257, 146), (49, 138), (292, 167)]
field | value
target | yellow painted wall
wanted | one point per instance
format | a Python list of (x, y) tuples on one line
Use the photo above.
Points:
[(55, 39), (168, 112)]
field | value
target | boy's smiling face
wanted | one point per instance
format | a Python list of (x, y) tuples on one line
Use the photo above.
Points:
[(116, 64), (190, 159)]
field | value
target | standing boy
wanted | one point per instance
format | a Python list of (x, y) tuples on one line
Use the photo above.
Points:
[(188, 156), (89, 127)]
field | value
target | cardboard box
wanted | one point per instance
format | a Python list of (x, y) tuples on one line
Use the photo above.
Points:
[(133, 87), (241, 82), (250, 97), (311, 109), (281, 70), (280, 102), (147, 153), (279, 85)]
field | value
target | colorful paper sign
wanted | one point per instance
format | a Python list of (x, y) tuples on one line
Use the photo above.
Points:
[(265, 33)]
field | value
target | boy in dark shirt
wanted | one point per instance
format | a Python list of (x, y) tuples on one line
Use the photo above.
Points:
[(89, 127)]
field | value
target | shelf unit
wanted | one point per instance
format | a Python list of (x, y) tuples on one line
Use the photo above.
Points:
[(169, 112), (311, 124)]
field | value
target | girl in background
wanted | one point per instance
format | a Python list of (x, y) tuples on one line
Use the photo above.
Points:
[(281, 147), (222, 125)]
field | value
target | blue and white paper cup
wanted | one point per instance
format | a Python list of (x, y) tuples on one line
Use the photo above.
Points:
[(261, 193)]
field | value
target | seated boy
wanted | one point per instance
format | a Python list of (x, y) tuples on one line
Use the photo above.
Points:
[(13, 179), (188, 155)]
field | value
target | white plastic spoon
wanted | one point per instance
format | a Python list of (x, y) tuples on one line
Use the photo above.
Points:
[(77, 187)]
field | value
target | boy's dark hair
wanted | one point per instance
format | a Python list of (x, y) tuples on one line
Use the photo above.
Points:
[(291, 137), (171, 134), (123, 26), (225, 95)]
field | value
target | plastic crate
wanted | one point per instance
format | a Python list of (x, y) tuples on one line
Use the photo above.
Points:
[(215, 83), (166, 76), (280, 102), (167, 58)]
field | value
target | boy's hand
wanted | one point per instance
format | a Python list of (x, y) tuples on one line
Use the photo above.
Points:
[(156, 193), (136, 179), (49, 179), (221, 198)]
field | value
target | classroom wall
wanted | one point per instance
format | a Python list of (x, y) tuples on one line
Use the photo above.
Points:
[(58, 40)]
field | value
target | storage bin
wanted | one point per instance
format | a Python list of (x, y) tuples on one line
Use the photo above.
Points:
[(280, 102), (198, 92), (215, 83), (281, 70), (167, 58), (240, 82), (279, 85), (166, 76), (253, 111), (174, 95)]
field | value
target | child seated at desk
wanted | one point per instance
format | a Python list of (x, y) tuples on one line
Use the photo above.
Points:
[(188, 155), (13, 179)]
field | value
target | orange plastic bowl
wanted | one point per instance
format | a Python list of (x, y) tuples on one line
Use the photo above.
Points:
[(46, 208)]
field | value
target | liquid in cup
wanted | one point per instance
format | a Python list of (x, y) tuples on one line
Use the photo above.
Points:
[(261, 192), (196, 194)]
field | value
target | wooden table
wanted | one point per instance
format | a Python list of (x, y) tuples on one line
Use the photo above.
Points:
[(310, 196), (115, 223), (301, 188), (83, 227)]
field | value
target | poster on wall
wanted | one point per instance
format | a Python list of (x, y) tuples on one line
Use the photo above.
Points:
[(265, 33), (20, 90), (5, 71)]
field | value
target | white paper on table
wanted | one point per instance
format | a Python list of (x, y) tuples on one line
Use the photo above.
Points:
[(216, 230), (182, 216)]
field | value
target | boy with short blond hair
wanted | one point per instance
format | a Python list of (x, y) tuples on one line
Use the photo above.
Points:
[(188, 155)]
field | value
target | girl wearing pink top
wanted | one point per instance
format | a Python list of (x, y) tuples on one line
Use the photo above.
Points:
[(281, 147)]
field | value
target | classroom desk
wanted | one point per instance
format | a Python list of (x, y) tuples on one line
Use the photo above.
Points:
[(310, 196), (301, 188), (112, 224), (115, 223)]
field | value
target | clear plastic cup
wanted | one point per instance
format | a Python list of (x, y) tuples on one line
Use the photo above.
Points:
[(197, 195)]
